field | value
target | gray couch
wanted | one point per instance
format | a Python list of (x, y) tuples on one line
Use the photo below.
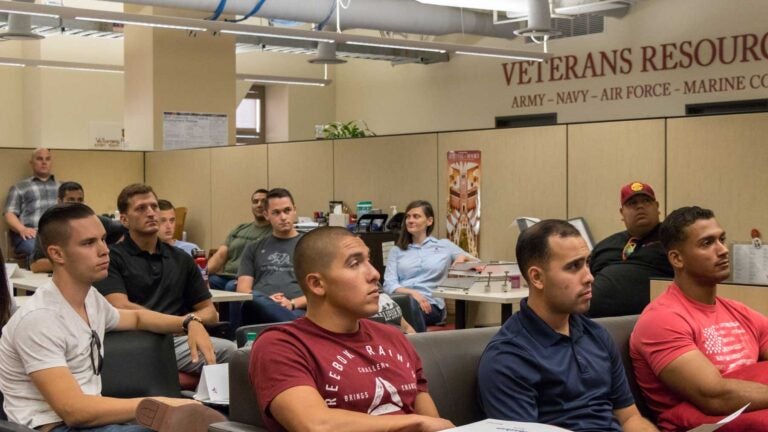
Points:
[(450, 361)]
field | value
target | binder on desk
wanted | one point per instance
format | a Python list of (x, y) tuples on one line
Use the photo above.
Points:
[(464, 283)]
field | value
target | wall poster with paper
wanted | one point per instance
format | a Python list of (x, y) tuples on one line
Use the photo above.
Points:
[(463, 220)]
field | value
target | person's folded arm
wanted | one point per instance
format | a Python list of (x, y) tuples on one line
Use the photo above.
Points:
[(218, 259), (62, 392), (244, 284), (632, 421), (696, 380), (147, 320), (206, 312), (302, 409)]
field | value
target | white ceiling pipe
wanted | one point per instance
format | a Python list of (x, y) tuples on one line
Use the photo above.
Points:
[(401, 16)]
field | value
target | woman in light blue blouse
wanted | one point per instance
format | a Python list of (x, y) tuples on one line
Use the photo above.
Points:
[(420, 261)]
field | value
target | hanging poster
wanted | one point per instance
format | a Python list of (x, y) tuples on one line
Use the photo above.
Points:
[(463, 222), (183, 130)]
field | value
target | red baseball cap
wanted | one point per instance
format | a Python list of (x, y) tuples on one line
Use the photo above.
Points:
[(636, 188)]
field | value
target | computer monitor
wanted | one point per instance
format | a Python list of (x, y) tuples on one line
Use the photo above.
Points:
[(525, 222)]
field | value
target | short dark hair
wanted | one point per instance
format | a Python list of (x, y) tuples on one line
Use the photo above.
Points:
[(53, 227), (129, 192), (69, 186), (164, 205), (278, 193), (316, 250), (405, 237), (260, 190), (672, 230), (533, 244)]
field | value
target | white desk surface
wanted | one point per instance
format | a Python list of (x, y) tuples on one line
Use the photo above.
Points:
[(478, 293), (32, 281)]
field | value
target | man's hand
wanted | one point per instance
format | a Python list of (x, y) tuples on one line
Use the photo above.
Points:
[(27, 233), (199, 340), (430, 424), (423, 301), (281, 299)]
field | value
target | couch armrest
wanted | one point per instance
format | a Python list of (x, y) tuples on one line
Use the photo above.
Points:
[(234, 427)]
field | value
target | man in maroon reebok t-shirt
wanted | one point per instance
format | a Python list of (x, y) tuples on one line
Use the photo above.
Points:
[(333, 366)]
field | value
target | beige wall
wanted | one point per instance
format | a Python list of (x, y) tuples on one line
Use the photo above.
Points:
[(720, 163), (102, 173), (602, 157), (522, 175)]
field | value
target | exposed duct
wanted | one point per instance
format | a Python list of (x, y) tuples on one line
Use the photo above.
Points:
[(539, 20), (400, 16)]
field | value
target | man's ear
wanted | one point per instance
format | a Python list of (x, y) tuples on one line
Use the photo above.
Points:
[(675, 259), (536, 277), (55, 254), (315, 284), (123, 220)]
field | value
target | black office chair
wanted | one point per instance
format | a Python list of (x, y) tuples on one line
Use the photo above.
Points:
[(241, 334), (139, 364)]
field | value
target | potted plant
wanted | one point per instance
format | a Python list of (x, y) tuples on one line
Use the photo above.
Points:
[(350, 129)]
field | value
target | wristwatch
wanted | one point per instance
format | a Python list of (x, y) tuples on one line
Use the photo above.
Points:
[(187, 319)]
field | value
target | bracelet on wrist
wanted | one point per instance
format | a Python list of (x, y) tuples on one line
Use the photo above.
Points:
[(189, 318)]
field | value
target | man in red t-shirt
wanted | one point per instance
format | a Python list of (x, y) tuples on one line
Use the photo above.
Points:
[(333, 366), (695, 354)]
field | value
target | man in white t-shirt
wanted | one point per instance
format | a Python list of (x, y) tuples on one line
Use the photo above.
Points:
[(52, 351)]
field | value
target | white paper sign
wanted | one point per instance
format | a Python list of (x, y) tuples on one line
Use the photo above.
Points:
[(214, 384), (709, 427), (192, 130), (750, 264), (492, 425)]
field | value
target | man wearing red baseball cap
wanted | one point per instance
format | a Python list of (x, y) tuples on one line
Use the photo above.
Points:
[(624, 263)]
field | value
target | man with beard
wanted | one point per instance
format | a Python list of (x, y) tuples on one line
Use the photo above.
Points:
[(548, 363)]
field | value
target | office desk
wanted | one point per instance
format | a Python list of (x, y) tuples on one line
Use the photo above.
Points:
[(478, 294), (33, 281)]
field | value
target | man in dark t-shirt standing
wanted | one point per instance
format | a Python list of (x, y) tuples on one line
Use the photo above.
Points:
[(266, 268), (145, 273)]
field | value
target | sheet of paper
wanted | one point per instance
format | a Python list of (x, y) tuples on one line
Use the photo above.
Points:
[(12, 270), (214, 384), (491, 425), (709, 427), (750, 264)]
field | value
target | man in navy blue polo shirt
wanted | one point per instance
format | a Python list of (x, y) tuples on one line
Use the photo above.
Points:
[(548, 363)]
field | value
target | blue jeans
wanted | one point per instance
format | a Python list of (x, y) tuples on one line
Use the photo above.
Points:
[(264, 310), (21, 246), (107, 428), (435, 316), (228, 283)]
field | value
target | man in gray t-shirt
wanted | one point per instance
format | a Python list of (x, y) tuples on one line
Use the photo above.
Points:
[(266, 267)]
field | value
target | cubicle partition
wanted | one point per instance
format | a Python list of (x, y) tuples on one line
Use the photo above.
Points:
[(102, 174), (549, 171)]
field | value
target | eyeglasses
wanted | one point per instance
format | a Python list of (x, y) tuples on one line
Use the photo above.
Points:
[(629, 248), (97, 360)]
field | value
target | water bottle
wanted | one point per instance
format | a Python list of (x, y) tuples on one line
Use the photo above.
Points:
[(202, 263), (250, 337)]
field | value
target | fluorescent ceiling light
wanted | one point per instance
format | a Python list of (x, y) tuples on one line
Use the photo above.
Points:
[(272, 79), (499, 55), (502, 5), (276, 35), (79, 68), (142, 23), (29, 13), (388, 45), (598, 6)]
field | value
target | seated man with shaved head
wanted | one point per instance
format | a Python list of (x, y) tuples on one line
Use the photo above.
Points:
[(332, 366)]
